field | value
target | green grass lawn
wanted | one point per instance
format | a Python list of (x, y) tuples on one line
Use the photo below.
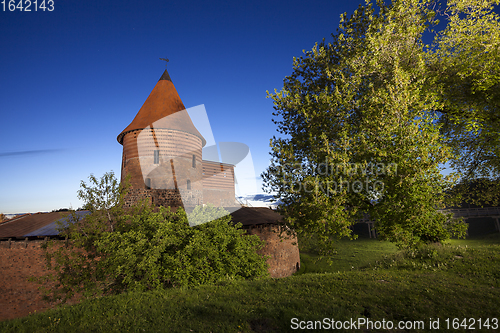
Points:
[(350, 255), (459, 280)]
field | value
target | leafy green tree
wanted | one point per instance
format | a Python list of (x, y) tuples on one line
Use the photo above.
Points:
[(114, 249), (465, 61), (360, 133)]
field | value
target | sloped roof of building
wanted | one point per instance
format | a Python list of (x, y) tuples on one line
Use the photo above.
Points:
[(39, 225), (51, 229), (256, 215), (163, 109)]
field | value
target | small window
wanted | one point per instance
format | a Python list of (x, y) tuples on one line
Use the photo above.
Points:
[(188, 184), (194, 161), (157, 157), (147, 182)]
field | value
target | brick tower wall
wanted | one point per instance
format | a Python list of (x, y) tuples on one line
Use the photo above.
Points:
[(170, 177), (284, 253)]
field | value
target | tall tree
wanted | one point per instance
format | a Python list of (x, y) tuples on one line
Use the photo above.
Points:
[(465, 60), (360, 132)]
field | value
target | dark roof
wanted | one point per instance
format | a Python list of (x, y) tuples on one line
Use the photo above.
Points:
[(52, 228), (39, 224), (165, 76), (26, 224), (256, 215)]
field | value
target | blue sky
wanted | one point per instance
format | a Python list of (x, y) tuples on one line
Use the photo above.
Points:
[(72, 79)]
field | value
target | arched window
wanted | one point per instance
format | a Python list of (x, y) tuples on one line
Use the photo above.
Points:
[(188, 184), (147, 183), (194, 161)]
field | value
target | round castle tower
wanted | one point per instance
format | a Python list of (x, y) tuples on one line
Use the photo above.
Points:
[(162, 151)]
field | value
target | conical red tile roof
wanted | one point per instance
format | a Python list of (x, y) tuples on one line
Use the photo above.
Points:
[(163, 102)]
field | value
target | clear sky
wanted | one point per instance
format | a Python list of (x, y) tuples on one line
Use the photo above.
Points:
[(72, 79)]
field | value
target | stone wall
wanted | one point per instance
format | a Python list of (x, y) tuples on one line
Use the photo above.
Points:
[(18, 261), (284, 252), (165, 198)]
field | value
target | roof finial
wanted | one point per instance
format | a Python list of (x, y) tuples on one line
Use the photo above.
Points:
[(165, 59)]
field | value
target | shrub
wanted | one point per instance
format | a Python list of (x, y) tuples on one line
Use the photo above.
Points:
[(160, 249), (113, 250)]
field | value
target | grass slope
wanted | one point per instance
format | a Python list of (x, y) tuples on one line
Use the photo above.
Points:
[(452, 281), (350, 255)]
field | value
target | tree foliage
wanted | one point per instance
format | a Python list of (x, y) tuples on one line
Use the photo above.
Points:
[(114, 249), (465, 62), (365, 126)]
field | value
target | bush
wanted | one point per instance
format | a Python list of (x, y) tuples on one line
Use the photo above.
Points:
[(158, 250), (113, 250), (426, 225)]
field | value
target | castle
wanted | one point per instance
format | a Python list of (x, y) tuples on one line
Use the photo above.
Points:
[(162, 154)]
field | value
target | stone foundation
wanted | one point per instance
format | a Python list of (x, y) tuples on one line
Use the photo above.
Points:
[(165, 198)]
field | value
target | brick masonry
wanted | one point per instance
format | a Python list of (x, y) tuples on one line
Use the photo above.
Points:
[(284, 252), (166, 198), (19, 261)]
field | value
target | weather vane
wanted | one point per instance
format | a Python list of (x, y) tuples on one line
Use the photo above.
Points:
[(165, 59)]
